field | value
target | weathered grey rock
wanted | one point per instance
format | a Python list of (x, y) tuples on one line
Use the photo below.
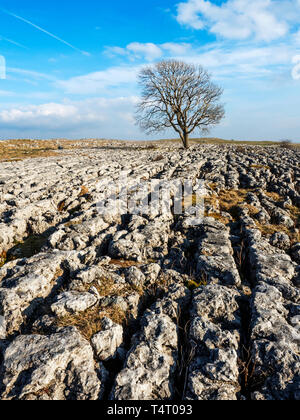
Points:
[(148, 242), (275, 338), (151, 272), (296, 252), (56, 367), (72, 303), (271, 267), (216, 263), (149, 371), (214, 336), (25, 286), (84, 250), (263, 217), (128, 303), (107, 341), (135, 277), (150, 363), (275, 348), (282, 218), (280, 240), (2, 328)]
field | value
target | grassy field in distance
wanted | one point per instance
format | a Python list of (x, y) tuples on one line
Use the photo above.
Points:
[(14, 150)]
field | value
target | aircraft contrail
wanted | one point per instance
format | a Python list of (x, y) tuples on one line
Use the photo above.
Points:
[(12, 42), (44, 30)]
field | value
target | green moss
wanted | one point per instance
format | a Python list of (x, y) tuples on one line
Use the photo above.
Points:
[(193, 284), (27, 249)]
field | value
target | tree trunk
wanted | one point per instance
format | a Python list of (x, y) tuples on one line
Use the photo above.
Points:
[(186, 141)]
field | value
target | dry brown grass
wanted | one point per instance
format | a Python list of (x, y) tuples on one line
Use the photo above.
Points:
[(84, 191), (294, 213), (274, 196), (106, 287), (88, 323), (73, 223), (61, 206), (158, 158), (58, 273), (231, 201), (260, 167), (267, 230), (218, 217), (232, 198), (213, 186), (16, 150), (124, 263), (116, 314), (228, 201), (252, 210), (3, 258)]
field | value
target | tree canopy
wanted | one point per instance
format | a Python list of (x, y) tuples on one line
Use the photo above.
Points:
[(180, 96)]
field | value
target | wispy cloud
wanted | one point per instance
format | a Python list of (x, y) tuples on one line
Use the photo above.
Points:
[(30, 73), (3, 38), (6, 93), (98, 82), (44, 31)]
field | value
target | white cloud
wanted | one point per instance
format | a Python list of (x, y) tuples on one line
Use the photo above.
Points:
[(136, 50), (149, 51), (114, 118), (37, 114), (97, 117), (232, 61), (95, 83), (174, 48), (240, 19), (296, 69), (220, 58)]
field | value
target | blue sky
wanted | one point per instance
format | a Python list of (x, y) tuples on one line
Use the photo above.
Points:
[(70, 67)]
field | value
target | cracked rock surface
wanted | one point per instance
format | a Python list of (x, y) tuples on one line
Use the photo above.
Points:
[(134, 305)]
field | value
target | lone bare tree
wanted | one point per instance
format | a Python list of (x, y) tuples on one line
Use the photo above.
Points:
[(179, 96)]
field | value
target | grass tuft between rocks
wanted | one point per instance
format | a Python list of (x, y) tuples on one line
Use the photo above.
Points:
[(231, 201), (3, 258), (89, 323)]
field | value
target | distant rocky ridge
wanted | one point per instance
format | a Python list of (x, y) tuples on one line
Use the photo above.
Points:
[(140, 307)]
